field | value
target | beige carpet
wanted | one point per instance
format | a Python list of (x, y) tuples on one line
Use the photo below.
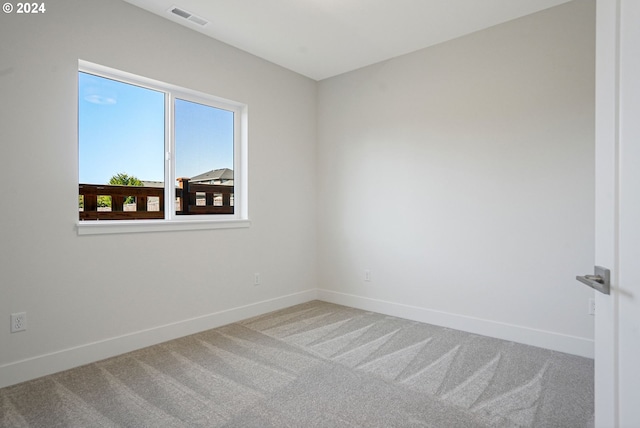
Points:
[(315, 365)]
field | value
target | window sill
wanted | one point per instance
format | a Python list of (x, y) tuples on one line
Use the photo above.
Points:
[(103, 227)]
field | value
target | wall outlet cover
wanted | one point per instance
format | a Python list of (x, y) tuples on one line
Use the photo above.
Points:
[(18, 322)]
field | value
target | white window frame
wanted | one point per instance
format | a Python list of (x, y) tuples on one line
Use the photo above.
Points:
[(172, 221)]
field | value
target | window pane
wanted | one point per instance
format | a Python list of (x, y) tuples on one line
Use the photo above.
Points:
[(121, 142), (204, 158)]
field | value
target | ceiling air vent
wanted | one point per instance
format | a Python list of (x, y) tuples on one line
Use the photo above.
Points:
[(188, 16)]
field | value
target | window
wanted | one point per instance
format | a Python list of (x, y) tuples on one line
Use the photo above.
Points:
[(153, 154)]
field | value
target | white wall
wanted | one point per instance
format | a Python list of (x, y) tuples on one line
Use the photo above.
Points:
[(93, 296), (462, 176)]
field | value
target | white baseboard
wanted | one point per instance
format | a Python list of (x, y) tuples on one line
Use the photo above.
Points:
[(528, 336), (42, 365)]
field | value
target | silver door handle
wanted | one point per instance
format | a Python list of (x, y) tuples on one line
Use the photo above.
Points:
[(600, 280)]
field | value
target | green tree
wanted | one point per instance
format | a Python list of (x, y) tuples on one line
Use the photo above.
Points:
[(120, 179), (124, 179), (104, 201)]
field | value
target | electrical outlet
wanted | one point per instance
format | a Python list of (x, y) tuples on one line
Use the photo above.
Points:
[(256, 279), (18, 322), (367, 275), (592, 306)]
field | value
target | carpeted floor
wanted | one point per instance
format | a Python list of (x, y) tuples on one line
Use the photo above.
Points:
[(315, 365)]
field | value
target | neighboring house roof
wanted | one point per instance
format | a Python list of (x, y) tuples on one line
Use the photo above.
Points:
[(222, 174), (216, 176), (152, 183)]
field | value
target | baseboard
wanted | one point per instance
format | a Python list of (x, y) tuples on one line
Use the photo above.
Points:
[(42, 365), (528, 336)]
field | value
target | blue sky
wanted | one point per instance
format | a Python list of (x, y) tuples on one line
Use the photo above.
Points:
[(121, 130), (204, 138)]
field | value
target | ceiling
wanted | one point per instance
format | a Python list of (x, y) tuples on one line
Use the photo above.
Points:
[(324, 38)]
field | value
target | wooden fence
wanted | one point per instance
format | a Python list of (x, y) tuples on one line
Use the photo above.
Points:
[(191, 199)]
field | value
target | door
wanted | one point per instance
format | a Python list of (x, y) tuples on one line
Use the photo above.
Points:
[(617, 330)]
